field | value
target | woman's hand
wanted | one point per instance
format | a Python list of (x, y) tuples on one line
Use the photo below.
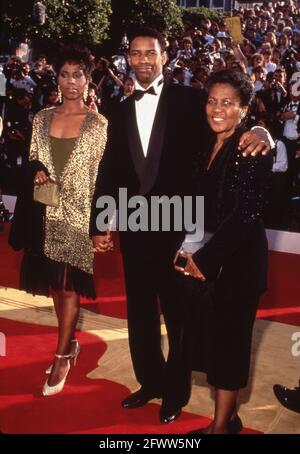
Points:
[(190, 268), (40, 178)]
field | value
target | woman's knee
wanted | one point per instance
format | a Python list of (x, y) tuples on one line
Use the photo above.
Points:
[(68, 295)]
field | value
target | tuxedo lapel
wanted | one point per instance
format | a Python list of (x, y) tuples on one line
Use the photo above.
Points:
[(134, 140), (151, 167)]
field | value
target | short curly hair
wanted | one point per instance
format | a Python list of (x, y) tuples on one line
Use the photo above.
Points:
[(239, 81), (147, 32), (74, 53)]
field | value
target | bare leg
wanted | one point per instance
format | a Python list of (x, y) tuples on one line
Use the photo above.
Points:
[(55, 296), (225, 410), (56, 302), (69, 308)]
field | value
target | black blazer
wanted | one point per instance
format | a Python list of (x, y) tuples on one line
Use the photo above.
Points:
[(168, 168), (236, 255)]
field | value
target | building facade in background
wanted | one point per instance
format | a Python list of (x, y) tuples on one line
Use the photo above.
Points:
[(222, 5)]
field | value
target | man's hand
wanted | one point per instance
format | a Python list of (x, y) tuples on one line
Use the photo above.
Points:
[(103, 243), (255, 142), (190, 268)]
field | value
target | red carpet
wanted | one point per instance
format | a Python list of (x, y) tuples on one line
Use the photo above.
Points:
[(85, 406), (93, 406), (281, 303)]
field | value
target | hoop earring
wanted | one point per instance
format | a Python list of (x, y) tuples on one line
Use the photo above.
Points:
[(85, 93), (59, 94)]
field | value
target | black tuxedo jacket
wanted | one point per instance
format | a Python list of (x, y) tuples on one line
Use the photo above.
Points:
[(178, 129)]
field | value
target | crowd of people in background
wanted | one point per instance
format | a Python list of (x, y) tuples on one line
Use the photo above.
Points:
[(269, 54)]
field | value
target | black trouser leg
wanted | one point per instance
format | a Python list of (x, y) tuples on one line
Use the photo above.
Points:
[(145, 281), (178, 373), (144, 324)]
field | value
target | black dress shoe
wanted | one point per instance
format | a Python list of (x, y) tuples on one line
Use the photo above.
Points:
[(234, 426), (289, 398), (167, 416), (139, 398)]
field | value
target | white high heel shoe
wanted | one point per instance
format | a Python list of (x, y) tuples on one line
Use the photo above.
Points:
[(73, 355), (51, 390)]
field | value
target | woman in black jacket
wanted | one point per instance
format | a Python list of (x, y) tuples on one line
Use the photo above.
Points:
[(231, 267)]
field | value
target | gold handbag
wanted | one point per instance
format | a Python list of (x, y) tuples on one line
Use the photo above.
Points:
[(47, 193)]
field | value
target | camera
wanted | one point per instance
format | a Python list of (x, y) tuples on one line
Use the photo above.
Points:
[(275, 86)]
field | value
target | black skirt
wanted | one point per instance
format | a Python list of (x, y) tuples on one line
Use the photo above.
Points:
[(219, 334), (39, 274)]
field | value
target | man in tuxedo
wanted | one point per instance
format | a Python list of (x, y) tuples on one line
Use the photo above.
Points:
[(152, 142)]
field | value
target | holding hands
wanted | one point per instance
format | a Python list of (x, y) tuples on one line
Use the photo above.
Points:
[(103, 243)]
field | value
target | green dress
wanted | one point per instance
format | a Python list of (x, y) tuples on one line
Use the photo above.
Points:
[(60, 275), (61, 150)]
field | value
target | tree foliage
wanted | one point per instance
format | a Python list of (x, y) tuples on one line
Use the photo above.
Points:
[(194, 15), (86, 21), (94, 22), (164, 15)]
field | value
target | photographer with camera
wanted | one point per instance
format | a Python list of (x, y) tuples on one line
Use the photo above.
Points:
[(108, 85), (22, 79), (291, 129), (187, 52), (289, 61), (274, 98), (18, 124)]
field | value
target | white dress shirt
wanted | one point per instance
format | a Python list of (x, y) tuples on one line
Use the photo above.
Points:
[(280, 163), (145, 110), (290, 130)]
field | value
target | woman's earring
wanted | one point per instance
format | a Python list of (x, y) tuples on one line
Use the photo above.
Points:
[(59, 94), (242, 115), (85, 93)]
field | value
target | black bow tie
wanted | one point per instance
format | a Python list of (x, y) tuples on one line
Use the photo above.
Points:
[(138, 94)]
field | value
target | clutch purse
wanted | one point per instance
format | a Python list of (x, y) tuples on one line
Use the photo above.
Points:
[(47, 193)]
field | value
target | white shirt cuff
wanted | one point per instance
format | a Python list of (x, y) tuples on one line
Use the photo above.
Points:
[(272, 143)]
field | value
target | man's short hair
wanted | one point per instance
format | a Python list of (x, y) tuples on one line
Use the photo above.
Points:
[(147, 32)]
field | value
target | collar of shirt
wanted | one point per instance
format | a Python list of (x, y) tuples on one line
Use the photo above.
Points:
[(156, 84), (145, 111)]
